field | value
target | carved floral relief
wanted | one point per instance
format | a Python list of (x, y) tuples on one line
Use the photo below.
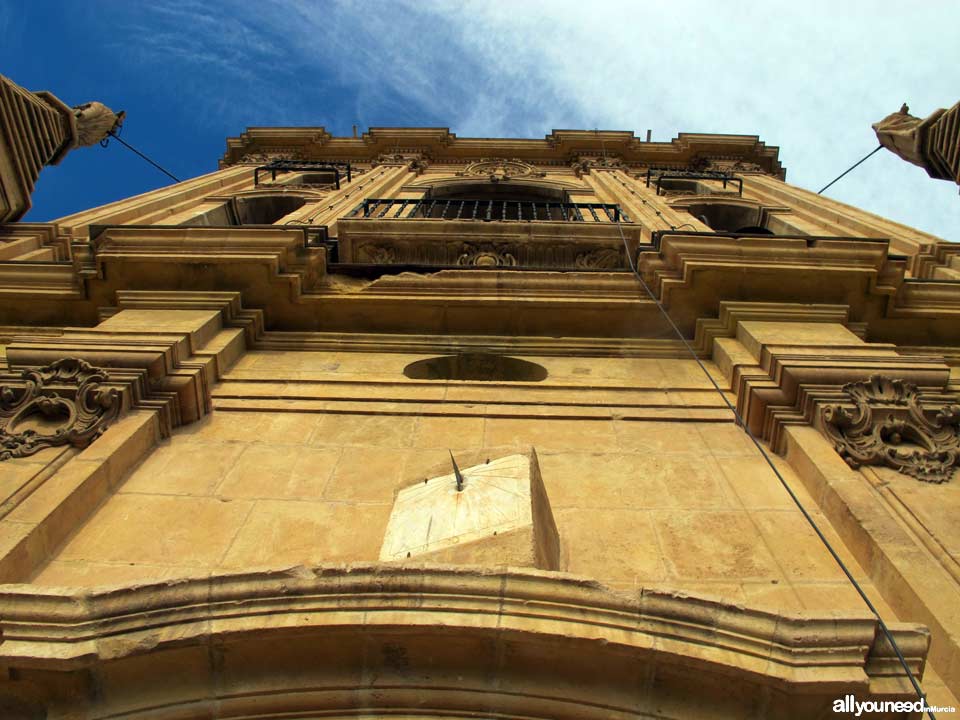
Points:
[(888, 426), (602, 259), (63, 403)]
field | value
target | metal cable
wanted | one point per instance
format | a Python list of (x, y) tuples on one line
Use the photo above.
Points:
[(786, 485), (878, 147), (130, 147)]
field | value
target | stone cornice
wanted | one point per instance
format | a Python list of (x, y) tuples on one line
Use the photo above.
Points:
[(693, 274), (275, 271), (440, 145)]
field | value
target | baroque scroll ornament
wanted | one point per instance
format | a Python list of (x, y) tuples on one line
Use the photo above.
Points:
[(889, 427), (61, 404)]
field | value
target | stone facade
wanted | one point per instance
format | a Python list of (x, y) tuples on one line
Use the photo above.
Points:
[(224, 401)]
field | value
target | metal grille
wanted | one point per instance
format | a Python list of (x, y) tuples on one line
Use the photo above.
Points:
[(304, 166), (488, 210), (686, 175)]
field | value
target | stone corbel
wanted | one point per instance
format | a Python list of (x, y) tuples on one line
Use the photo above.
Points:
[(583, 164)]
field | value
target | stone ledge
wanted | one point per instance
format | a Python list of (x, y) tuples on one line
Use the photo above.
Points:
[(44, 627)]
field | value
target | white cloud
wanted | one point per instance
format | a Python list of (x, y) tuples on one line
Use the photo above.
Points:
[(808, 77)]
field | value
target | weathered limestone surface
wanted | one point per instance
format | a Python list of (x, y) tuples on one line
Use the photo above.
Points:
[(233, 544)]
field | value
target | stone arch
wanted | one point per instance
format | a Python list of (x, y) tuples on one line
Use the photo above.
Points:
[(737, 215), (252, 208)]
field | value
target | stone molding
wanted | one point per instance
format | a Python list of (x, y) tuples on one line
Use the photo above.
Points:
[(275, 271), (442, 146), (888, 413), (733, 312), (577, 622), (788, 387), (155, 365), (33, 241), (694, 274), (941, 260), (782, 383), (71, 397)]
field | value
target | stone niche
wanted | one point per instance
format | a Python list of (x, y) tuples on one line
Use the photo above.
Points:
[(501, 516)]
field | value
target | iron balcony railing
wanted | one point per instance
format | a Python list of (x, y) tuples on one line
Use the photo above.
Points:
[(661, 175), (310, 166), (487, 210)]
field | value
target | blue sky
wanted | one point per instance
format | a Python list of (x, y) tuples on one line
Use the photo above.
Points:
[(809, 77)]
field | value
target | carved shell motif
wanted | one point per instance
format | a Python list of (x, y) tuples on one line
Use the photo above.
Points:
[(485, 256), (61, 404), (887, 426)]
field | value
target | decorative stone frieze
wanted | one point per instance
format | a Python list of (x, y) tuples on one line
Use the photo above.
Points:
[(890, 427), (278, 154), (64, 403), (498, 169)]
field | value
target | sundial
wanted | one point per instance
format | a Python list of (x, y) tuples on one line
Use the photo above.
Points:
[(495, 513)]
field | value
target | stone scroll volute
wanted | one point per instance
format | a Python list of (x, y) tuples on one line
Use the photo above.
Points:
[(64, 403), (888, 426)]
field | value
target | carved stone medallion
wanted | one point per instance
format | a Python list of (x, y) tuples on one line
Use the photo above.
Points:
[(889, 427), (485, 256), (61, 404), (499, 169)]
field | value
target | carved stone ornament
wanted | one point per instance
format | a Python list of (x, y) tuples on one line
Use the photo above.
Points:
[(415, 162), (498, 169), (267, 157), (61, 404), (602, 259), (582, 164), (485, 256), (377, 254), (888, 427)]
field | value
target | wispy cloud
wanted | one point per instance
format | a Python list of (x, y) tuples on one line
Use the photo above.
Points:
[(808, 77)]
